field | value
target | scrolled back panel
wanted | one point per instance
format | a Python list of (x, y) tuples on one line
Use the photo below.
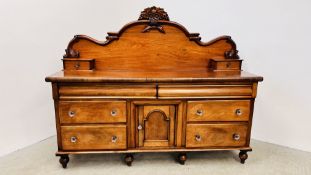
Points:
[(145, 46)]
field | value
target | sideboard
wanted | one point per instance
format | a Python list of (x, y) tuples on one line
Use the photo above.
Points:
[(152, 87)]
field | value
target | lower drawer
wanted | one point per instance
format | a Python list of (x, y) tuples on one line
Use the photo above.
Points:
[(213, 135), (93, 137)]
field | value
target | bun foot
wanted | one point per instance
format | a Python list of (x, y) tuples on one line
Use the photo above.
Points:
[(64, 159), (243, 156), (128, 159), (182, 157)]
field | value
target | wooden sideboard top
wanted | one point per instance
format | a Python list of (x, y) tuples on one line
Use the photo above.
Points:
[(149, 76), (151, 49)]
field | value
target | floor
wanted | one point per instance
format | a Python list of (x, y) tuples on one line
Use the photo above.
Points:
[(264, 160)]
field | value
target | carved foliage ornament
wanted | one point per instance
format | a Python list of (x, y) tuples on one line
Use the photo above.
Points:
[(153, 13)]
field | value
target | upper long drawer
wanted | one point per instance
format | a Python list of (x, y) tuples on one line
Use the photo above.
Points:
[(92, 111), (107, 91), (205, 91)]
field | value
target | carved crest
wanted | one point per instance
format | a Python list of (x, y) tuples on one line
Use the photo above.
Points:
[(153, 13)]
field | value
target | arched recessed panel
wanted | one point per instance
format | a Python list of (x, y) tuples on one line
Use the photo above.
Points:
[(156, 126)]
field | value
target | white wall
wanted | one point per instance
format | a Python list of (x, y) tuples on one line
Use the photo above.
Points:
[(273, 38)]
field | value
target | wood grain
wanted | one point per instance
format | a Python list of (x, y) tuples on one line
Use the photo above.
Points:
[(218, 110), (215, 135), (92, 112), (78, 64), (108, 91), (93, 137), (158, 125), (203, 91)]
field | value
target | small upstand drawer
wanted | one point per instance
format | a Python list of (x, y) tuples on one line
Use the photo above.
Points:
[(214, 135), (78, 64), (225, 64), (218, 110), (92, 111), (91, 137)]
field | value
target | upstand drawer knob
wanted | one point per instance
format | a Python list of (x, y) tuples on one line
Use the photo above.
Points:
[(114, 139), (238, 112), (228, 65), (199, 112), (113, 113), (198, 138), (71, 113), (236, 136), (77, 65), (139, 127), (73, 139)]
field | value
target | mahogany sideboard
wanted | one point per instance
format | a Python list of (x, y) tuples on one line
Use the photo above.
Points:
[(152, 87)]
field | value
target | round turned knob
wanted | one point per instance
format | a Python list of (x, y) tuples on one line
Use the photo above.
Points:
[(71, 113), (139, 127), (114, 139), (198, 138), (238, 112), (77, 65), (228, 65), (113, 113), (73, 139), (199, 112), (236, 136)]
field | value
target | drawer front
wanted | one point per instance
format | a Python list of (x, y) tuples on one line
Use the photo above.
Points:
[(218, 110), (78, 64), (204, 91), (92, 111), (107, 91), (230, 65), (93, 137), (214, 135)]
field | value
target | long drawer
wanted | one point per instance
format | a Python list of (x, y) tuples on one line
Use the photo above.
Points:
[(107, 91), (92, 111), (214, 135), (204, 91), (218, 110), (99, 137)]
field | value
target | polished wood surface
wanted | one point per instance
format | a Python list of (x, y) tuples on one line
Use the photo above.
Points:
[(157, 125), (153, 76), (228, 64), (205, 135), (204, 91), (78, 64), (218, 110), (108, 91), (152, 87), (93, 137), (92, 112)]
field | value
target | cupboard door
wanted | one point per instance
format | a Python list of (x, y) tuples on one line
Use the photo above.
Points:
[(156, 125)]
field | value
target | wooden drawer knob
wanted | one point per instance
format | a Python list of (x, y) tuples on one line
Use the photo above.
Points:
[(73, 139), (238, 112), (198, 138), (114, 139), (71, 113), (199, 112), (236, 136)]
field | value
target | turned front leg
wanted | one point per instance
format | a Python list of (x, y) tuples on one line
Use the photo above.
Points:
[(243, 156), (64, 159), (182, 157), (128, 159)]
